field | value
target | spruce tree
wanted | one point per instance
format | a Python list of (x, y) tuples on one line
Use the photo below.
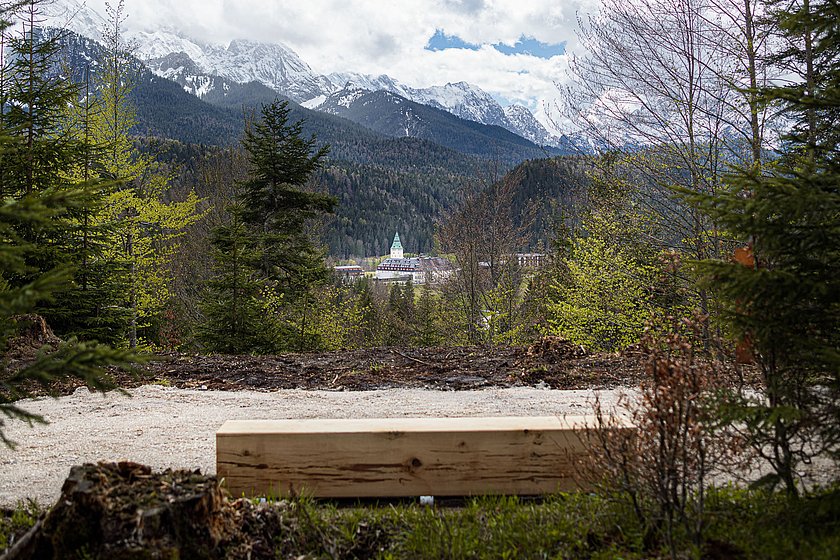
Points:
[(265, 258), (370, 320), (237, 318), (426, 332), (37, 209), (276, 204), (781, 297), (399, 314), (40, 151), (87, 361), (35, 97)]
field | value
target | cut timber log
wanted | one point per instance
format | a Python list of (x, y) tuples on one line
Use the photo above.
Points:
[(396, 457)]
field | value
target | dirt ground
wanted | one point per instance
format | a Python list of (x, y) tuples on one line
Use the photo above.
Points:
[(167, 427), (551, 363), (177, 401)]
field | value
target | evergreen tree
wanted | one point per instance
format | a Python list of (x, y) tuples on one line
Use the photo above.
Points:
[(236, 317), (782, 295), (406, 308), (86, 361), (36, 212), (426, 332), (38, 154), (276, 204), (34, 99), (269, 222), (399, 312), (369, 327)]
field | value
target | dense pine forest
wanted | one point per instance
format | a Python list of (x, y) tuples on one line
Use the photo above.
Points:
[(700, 231)]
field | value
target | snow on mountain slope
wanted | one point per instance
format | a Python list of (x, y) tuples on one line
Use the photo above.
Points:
[(275, 65), (159, 44), (75, 16), (242, 61), (210, 70), (371, 83), (461, 99), (527, 126), (315, 102), (464, 100)]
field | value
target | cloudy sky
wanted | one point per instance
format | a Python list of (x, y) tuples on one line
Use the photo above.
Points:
[(514, 49)]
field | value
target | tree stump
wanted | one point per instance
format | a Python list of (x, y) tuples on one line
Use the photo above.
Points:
[(123, 511)]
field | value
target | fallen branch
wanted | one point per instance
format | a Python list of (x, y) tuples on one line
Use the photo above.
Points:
[(413, 359)]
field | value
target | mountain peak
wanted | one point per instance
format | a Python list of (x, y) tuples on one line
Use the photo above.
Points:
[(74, 16), (275, 65), (522, 119), (199, 67)]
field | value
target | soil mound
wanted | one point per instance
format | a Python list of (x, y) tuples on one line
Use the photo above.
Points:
[(34, 335)]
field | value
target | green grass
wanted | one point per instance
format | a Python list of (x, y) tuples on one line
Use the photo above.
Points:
[(15, 522), (770, 525), (739, 524), (484, 528)]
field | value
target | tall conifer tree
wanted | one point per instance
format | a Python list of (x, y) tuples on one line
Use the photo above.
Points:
[(38, 152), (276, 203), (266, 262), (782, 296), (36, 221)]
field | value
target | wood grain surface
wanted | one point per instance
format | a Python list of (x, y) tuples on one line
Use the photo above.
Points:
[(393, 457)]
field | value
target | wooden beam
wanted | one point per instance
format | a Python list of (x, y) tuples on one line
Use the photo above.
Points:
[(394, 457)]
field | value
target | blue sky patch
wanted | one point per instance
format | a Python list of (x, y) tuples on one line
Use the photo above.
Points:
[(529, 45), (440, 41)]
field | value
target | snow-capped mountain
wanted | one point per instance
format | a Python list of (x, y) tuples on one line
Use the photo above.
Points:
[(464, 100), (526, 125), (74, 16), (197, 68), (211, 71), (461, 99), (393, 115), (342, 80), (274, 65), (182, 69)]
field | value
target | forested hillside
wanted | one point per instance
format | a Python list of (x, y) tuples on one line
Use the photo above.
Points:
[(402, 192), (383, 183), (692, 260)]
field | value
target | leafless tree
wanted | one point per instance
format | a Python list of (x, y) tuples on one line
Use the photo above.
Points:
[(662, 467), (484, 234), (215, 182), (671, 85)]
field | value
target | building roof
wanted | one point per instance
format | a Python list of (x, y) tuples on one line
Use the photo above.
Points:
[(396, 244), (403, 265), (415, 264)]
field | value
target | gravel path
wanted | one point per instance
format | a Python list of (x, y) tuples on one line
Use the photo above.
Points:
[(167, 427)]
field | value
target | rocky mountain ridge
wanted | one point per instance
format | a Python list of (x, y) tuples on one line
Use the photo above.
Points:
[(209, 71)]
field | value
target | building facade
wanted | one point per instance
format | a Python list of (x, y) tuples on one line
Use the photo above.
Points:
[(418, 270)]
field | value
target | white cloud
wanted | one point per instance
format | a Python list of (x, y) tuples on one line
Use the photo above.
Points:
[(388, 37)]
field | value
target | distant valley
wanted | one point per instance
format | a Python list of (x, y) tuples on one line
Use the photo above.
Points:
[(399, 156)]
